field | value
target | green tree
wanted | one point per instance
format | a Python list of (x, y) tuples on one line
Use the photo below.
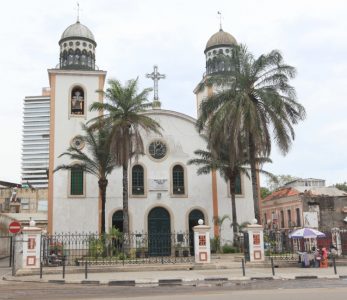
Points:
[(279, 181), (264, 192), (341, 186), (96, 160), (253, 99), (228, 168), (124, 113), (218, 221)]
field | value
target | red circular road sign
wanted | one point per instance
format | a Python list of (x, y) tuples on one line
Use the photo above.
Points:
[(14, 227)]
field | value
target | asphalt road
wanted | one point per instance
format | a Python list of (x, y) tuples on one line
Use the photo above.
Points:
[(261, 289)]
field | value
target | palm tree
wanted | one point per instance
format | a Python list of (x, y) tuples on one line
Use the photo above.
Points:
[(229, 169), (123, 112), (97, 160), (218, 221), (255, 98)]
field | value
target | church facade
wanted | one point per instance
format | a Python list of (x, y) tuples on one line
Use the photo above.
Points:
[(165, 193)]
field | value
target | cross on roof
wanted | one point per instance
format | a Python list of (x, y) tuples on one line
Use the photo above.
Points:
[(220, 20), (155, 76), (78, 11)]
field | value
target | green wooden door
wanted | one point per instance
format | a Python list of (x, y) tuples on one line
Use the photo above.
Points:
[(194, 216), (159, 235)]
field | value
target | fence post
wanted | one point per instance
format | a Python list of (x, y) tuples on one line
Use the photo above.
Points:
[(334, 264), (243, 267), (63, 266), (272, 266), (86, 270), (40, 268)]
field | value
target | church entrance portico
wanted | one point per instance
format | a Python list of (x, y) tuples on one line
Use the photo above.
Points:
[(159, 232)]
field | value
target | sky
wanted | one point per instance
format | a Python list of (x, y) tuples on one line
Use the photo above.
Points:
[(134, 35)]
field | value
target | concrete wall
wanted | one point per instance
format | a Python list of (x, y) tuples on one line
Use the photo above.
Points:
[(332, 210)]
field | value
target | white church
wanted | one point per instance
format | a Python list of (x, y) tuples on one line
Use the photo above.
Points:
[(165, 193)]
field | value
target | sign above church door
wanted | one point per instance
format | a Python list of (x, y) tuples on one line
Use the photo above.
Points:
[(158, 185)]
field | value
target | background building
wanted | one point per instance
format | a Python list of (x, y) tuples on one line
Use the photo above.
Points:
[(305, 203), (35, 146)]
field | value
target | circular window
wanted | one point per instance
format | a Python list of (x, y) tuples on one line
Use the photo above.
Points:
[(157, 149), (214, 52), (84, 44), (227, 50), (77, 43), (70, 43), (90, 46), (65, 45), (77, 142)]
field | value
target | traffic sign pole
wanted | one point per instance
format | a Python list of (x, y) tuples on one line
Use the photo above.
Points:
[(14, 255)]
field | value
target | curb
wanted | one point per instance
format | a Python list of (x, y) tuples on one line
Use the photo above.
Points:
[(306, 277), (122, 282), (90, 282), (164, 282), (57, 281), (216, 279)]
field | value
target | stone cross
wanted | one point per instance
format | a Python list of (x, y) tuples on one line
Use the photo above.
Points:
[(156, 76)]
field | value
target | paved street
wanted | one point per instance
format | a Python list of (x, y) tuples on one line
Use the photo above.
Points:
[(257, 289)]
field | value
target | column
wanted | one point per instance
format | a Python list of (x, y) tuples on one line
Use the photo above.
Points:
[(31, 246), (256, 242), (202, 247)]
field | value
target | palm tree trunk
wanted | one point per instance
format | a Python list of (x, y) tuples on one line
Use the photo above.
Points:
[(102, 190), (252, 152), (233, 205), (125, 200)]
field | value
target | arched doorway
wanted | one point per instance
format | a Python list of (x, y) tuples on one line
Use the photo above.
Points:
[(194, 216), (117, 220), (159, 233)]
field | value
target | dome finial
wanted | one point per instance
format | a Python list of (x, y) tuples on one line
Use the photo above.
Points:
[(220, 20), (78, 12)]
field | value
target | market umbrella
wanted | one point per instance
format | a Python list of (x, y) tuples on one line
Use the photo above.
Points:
[(306, 233)]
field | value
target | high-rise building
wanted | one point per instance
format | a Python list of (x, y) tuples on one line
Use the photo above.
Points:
[(35, 146)]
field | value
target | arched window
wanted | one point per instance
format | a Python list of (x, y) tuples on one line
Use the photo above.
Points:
[(77, 56), (117, 220), (76, 181), (77, 101), (84, 58), (70, 57), (178, 180), (238, 187), (138, 187)]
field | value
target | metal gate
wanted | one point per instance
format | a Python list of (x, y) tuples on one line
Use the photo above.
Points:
[(5, 251)]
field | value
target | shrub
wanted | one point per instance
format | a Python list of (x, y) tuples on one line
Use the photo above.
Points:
[(96, 247), (229, 249)]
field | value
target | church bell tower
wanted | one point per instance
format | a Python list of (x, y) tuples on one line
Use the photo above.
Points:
[(74, 84), (218, 48)]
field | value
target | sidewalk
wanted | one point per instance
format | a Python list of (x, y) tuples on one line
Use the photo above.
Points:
[(218, 271)]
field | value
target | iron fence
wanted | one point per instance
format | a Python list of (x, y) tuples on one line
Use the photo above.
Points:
[(75, 249), (279, 245)]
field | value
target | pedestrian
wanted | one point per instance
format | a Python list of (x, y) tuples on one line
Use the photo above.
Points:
[(324, 260), (316, 257)]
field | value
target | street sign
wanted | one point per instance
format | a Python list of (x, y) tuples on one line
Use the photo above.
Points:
[(14, 227)]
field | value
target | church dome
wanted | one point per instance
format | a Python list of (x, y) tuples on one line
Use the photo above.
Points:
[(77, 30), (77, 48), (220, 39)]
